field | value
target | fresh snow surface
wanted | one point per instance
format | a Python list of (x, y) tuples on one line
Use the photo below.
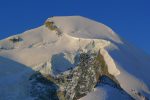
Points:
[(105, 92), (40, 46)]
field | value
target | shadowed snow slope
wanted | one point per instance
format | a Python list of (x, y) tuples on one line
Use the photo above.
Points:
[(43, 49)]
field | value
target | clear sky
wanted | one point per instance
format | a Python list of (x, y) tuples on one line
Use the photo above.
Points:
[(129, 18)]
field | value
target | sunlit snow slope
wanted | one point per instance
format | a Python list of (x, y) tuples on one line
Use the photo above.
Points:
[(33, 48)]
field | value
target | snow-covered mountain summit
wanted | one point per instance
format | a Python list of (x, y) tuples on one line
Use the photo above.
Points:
[(70, 58)]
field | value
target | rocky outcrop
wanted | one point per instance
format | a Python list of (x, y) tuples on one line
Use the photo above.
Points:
[(51, 25), (16, 39), (11, 43), (79, 81)]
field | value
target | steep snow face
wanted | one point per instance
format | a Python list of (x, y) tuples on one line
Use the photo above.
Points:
[(106, 90), (134, 67), (52, 49)]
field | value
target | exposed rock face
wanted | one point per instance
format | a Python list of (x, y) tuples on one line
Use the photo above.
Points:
[(82, 79), (76, 82)]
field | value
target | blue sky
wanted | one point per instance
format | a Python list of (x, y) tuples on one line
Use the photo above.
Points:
[(129, 18)]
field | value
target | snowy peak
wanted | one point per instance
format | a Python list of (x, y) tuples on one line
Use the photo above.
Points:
[(73, 57), (82, 27)]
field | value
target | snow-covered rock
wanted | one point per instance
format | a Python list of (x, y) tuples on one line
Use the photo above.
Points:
[(54, 50)]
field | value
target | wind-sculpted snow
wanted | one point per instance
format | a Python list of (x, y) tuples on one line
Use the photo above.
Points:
[(55, 48), (81, 27)]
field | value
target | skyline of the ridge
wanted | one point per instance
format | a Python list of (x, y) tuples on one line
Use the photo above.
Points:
[(129, 19)]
